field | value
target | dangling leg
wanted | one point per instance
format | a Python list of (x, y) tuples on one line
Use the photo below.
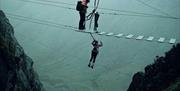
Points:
[(90, 60), (94, 59)]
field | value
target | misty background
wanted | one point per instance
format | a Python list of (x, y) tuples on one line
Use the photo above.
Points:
[(61, 55)]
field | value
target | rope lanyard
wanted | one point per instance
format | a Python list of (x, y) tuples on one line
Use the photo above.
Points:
[(91, 15), (92, 36), (96, 4)]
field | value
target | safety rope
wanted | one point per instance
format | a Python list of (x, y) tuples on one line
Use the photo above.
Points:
[(96, 4), (92, 36)]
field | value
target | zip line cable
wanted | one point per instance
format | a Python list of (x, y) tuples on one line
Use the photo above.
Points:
[(130, 13), (59, 2), (96, 4), (126, 11), (48, 4), (43, 22), (154, 8), (47, 23), (33, 20), (155, 16)]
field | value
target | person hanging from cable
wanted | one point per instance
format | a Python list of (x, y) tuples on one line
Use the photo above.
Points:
[(82, 8), (94, 52), (96, 17)]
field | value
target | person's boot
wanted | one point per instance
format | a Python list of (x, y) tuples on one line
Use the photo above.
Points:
[(96, 31), (84, 28), (81, 28), (89, 64), (92, 66)]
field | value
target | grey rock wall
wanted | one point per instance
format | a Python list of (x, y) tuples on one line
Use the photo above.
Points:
[(16, 68), (160, 75)]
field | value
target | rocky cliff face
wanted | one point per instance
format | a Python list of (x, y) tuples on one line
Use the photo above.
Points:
[(162, 75), (16, 68)]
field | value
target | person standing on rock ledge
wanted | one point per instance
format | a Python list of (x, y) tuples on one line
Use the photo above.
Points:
[(82, 8)]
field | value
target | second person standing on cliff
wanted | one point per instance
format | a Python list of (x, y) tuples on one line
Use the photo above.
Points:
[(82, 8)]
